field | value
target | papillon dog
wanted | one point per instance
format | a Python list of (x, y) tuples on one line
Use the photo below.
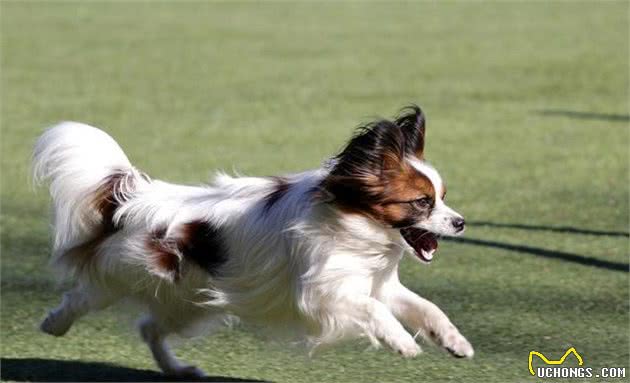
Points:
[(317, 252)]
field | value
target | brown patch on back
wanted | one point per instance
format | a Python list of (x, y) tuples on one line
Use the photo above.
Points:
[(196, 241)]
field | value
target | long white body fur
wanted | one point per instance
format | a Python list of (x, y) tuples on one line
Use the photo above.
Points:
[(301, 265)]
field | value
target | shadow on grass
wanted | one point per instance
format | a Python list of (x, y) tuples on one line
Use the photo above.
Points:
[(49, 370), (557, 229), (584, 115), (570, 257)]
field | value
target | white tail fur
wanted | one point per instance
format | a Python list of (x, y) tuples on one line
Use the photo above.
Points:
[(76, 159)]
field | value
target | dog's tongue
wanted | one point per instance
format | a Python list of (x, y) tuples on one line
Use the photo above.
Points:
[(423, 242)]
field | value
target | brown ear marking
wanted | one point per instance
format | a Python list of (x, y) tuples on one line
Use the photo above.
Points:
[(407, 184), (197, 241), (379, 197)]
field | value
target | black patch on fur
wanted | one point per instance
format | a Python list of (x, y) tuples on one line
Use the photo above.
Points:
[(280, 188), (202, 244), (406, 222), (197, 241)]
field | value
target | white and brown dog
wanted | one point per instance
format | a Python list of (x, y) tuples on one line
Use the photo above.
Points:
[(316, 251)]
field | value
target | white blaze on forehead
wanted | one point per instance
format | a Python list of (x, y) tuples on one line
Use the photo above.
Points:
[(431, 174)]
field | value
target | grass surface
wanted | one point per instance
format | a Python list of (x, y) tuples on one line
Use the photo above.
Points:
[(528, 123)]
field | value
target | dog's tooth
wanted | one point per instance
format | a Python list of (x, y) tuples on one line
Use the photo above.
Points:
[(428, 255)]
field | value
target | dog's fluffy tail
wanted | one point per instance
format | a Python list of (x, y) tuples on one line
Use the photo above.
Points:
[(89, 176)]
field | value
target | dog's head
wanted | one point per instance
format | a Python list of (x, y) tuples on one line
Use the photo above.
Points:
[(382, 174)]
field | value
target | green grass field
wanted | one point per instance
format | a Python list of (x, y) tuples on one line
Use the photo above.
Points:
[(527, 108)]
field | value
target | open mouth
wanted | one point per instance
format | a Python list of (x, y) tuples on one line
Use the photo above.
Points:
[(423, 242)]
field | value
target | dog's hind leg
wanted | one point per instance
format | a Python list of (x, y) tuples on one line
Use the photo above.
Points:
[(75, 303), (155, 335)]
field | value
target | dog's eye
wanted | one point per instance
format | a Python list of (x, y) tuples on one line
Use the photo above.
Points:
[(423, 202)]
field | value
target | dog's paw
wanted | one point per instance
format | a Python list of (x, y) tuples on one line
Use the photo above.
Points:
[(406, 347), (457, 345), (190, 372), (55, 324)]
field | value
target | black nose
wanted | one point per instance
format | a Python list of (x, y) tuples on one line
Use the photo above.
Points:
[(458, 224)]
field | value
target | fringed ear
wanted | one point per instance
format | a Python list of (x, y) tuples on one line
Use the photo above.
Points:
[(392, 159), (376, 148), (411, 122)]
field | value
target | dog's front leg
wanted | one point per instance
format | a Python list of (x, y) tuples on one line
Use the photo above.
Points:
[(377, 320), (423, 316)]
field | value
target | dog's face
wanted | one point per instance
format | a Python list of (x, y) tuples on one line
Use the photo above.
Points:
[(381, 174)]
